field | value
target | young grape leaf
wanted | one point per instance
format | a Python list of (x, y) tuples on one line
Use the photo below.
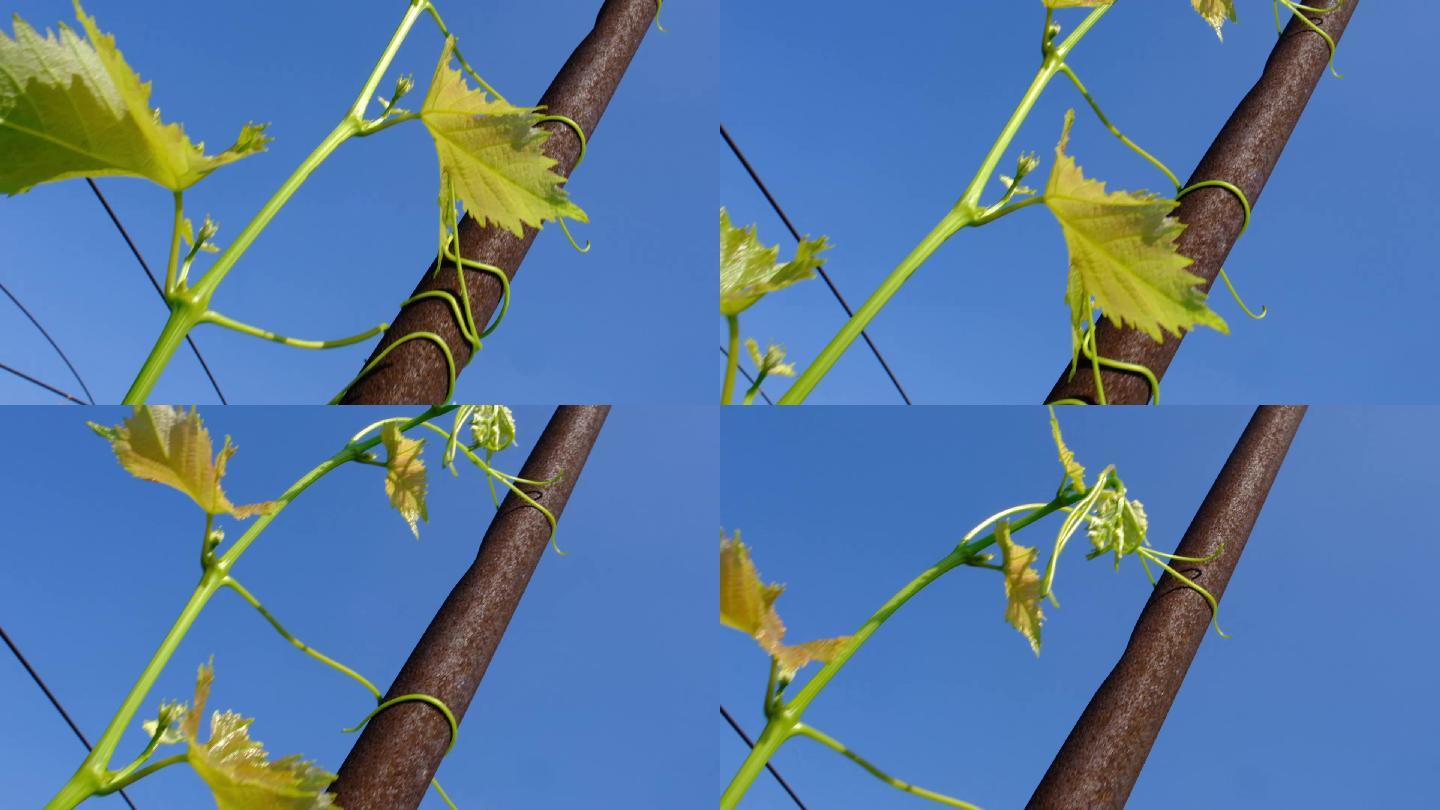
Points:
[(1123, 254), (1118, 524), (237, 768), (749, 270), (1216, 12), (491, 151), (73, 108), (170, 446), (167, 724), (1022, 586), (493, 427), (748, 605), (1073, 470), (772, 361), (405, 476)]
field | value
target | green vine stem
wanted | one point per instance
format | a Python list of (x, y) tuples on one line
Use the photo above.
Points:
[(785, 717), (189, 305), (732, 360), (965, 213), (94, 776)]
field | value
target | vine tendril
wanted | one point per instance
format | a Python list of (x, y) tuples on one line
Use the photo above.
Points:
[(415, 698), (1296, 10), (234, 585)]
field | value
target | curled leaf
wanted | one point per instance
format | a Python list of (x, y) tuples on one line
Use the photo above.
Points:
[(1123, 256), (72, 107), (1075, 473), (1022, 586), (170, 446), (1117, 525), (748, 605), (405, 476), (491, 152), (493, 427), (749, 270)]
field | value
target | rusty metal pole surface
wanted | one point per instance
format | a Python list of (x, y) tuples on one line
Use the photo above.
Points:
[(416, 372), (397, 754), (1101, 759), (1244, 153)]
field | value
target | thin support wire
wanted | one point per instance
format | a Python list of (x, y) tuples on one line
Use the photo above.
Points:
[(155, 283), (775, 204), (768, 766), (47, 386), (54, 701), (53, 344)]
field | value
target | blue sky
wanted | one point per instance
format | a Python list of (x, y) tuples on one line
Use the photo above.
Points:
[(1326, 673), (351, 245), (868, 126), (98, 564)]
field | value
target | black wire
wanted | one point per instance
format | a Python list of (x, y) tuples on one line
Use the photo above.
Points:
[(47, 386), (768, 766), (763, 395), (53, 344), (760, 184), (154, 282), (54, 701)]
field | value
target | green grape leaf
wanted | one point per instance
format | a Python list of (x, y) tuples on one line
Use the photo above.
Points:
[(170, 446), (237, 768), (1073, 470), (1123, 254), (748, 605), (71, 107), (1022, 586), (491, 151), (749, 270), (405, 476), (493, 427), (1216, 12), (772, 361)]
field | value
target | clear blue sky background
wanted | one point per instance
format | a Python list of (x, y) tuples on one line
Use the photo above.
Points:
[(352, 244), (1321, 698), (868, 126), (97, 564)]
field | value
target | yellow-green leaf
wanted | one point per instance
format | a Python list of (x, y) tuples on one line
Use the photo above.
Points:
[(1022, 586), (71, 107), (749, 270), (748, 605), (1075, 3), (1073, 470), (237, 768), (170, 446), (1123, 255), (491, 152), (1216, 12), (405, 476)]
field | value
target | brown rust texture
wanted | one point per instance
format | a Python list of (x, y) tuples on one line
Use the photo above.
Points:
[(397, 754), (1244, 153), (1097, 766), (416, 372)]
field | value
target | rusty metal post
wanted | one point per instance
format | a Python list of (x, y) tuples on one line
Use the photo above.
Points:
[(416, 372), (1097, 766), (397, 754), (1244, 153)]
